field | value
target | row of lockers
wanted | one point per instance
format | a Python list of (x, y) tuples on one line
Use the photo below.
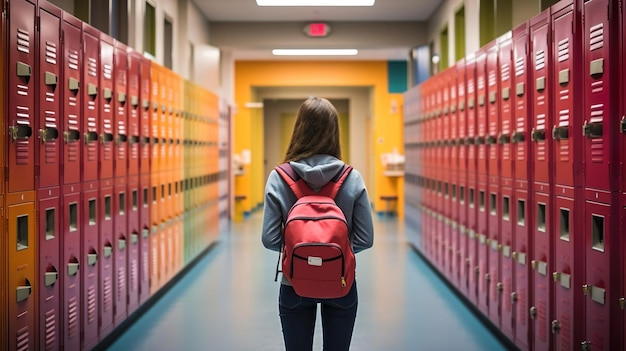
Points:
[(515, 186), (116, 177)]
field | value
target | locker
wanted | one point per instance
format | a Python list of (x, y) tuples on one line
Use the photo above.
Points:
[(155, 161), (155, 257), (106, 243), (72, 99), (542, 265), (599, 47), (598, 288), (492, 277), (134, 112), (493, 112), (507, 241), (483, 255), (23, 285), (70, 269), (50, 268), (133, 243), (520, 138), (482, 122), (144, 240), (48, 102), (541, 80), (120, 109), (164, 85), (21, 97), (505, 98), (91, 104), (4, 343), (164, 248), (567, 115), (107, 106), (521, 297), (91, 255), (567, 274), (121, 245), (145, 116)]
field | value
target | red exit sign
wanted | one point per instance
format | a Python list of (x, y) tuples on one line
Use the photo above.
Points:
[(317, 29)]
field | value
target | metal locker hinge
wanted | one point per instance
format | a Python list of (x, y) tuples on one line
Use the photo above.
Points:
[(533, 312), (556, 326)]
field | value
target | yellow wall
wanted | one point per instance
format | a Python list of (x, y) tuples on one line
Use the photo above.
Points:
[(248, 127)]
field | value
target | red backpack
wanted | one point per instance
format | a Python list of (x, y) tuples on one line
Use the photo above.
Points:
[(317, 256)]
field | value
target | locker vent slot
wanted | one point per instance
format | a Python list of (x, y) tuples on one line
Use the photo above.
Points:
[(564, 224), (23, 339), (73, 217), (22, 232), (122, 203), (492, 204), (107, 207), (506, 211), (72, 318), (471, 197), (135, 200), (521, 213), (154, 194), (541, 217), (51, 328), (145, 197), (597, 232), (481, 201), (453, 191), (50, 230), (92, 212), (462, 194)]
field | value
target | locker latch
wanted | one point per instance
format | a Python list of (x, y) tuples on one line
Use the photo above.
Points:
[(518, 137), (622, 303), (556, 326), (623, 125), (513, 297), (480, 140), (533, 312), (592, 130), (538, 134), (500, 287), (560, 133), (585, 346), (48, 134), (504, 139), (491, 140), (71, 136), (24, 291), (20, 132)]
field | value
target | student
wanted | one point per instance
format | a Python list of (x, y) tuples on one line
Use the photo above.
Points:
[(314, 153)]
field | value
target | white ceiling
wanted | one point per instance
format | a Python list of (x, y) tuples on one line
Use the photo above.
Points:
[(383, 10)]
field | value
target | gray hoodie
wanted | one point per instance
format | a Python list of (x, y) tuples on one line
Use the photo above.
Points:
[(318, 170)]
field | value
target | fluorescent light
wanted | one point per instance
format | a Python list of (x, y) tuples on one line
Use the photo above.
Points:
[(252, 104), (315, 2), (315, 52)]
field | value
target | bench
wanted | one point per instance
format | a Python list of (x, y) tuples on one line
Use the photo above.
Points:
[(389, 199)]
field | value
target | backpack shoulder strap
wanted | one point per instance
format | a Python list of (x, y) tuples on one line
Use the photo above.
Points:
[(296, 184), (332, 188)]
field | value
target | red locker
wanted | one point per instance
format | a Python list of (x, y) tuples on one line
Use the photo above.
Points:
[(600, 49), (72, 99), (120, 108), (144, 240), (134, 112), (120, 243), (23, 285), (91, 104), (70, 268), (133, 244), (541, 265), (521, 297), (155, 257), (20, 99), (507, 120), (493, 112), (50, 269), (522, 110), (107, 105), (89, 270), (462, 177), (482, 122), (107, 241), (507, 271), (145, 117), (48, 71)]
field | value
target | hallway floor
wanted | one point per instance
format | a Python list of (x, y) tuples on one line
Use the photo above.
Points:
[(229, 301)]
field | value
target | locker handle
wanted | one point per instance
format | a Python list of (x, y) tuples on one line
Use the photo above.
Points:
[(480, 140), (107, 94), (469, 141), (500, 287), (108, 250), (564, 76), (71, 136), (20, 132), (556, 326), (597, 294), (134, 140), (540, 84), (146, 140), (134, 238), (92, 258), (453, 142), (519, 89), (596, 67), (155, 106), (538, 135), (461, 141), (121, 138), (121, 243), (623, 125), (518, 137), (145, 233), (92, 90), (481, 100), (24, 291), (50, 79), (134, 101), (513, 297), (72, 268), (585, 346), (533, 312), (462, 106), (48, 134), (622, 302), (24, 70), (504, 138), (493, 97), (491, 140), (560, 133), (155, 141), (592, 130), (91, 137), (506, 93), (73, 85), (121, 97), (106, 138), (145, 104), (50, 278)]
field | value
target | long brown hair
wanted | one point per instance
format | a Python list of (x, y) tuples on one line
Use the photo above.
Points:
[(316, 131)]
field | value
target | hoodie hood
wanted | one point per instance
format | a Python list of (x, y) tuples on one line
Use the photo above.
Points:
[(317, 170)]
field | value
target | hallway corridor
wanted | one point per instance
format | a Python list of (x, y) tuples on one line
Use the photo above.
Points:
[(228, 301)]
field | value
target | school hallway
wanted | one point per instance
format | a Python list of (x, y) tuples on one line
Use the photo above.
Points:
[(228, 301)]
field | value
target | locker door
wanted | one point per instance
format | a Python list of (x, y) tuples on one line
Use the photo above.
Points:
[(21, 97), (107, 105), (522, 111), (49, 102), (121, 243), (492, 276), (120, 108), (71, 275), (134, 112), (541, 265), (22, 281), (71, 95), (91, 104), (155, 123), (597, 288), (470, 115), (505, 96), (144, 240), (133, 245), (155, 257), (145, 116), (107, 242), (50, 269), (493, 113), (4, 343), (482, 123), (90, 257), (507, 268), (598, 46), (522, 295)]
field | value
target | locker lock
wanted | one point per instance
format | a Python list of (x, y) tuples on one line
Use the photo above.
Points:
[(513, 297), (623, 125), (500, 287), (585, 346), (533, 312), (556, 326), (585, 289)]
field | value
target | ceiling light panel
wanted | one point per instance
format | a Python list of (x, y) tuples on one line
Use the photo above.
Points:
[(315, 52), (315, 2)]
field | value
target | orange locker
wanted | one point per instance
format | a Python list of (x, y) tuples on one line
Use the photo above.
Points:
[(4, 344), (23, 285), (145, 116), (155, 256)]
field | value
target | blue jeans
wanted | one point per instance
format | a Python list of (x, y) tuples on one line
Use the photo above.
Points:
[(297, 316)]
